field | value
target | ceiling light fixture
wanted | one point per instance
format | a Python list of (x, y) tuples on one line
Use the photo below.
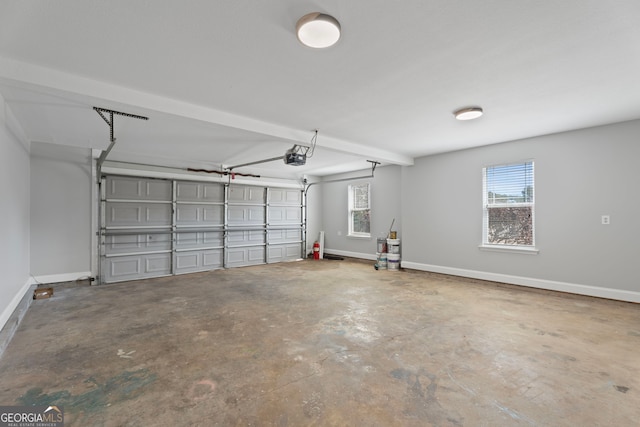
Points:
[(318, 30), (468, 113)]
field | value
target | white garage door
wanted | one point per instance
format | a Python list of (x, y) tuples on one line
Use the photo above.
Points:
[(285, 229), (156, 227), (199, 231), (246, 225), (136, 228)]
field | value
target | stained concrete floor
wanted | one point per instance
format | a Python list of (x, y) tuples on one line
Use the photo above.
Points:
[(326, 343)]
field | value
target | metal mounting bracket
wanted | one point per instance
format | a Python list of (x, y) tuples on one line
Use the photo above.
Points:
[(373, 169), (112, 139)]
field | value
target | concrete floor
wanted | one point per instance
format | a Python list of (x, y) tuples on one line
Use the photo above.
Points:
[(326, 343)]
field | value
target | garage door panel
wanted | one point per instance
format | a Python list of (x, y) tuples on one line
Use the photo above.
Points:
[(213, 215), (189, 262), (187, 191), (284, 236), (131, 243), (199, 192), (188, 214), (285, 252), (245, 237), (246, 215), (284, 211), (246, 194), (131, 267), (192, 214), (213, 258), (201, 239), (124, 214), (285, 215), (131, 214), (158, 264), (213, 192), (123, 267), (285, 196), (238, 257), (157, 214), (129, 188)]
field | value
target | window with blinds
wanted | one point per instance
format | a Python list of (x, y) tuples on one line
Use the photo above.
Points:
[(509, 197), (359, 211)]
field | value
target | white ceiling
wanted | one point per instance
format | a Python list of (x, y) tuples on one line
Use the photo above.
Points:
[(227, 82)]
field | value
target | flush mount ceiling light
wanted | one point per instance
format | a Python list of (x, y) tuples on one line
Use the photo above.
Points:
[(468, 113), (318, 30)]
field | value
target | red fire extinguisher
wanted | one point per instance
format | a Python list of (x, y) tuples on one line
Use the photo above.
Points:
[(316, 250)]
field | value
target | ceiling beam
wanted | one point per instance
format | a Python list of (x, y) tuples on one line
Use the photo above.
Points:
[(93, 92)]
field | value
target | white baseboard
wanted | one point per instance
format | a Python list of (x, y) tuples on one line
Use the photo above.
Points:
[(551, 285), (361, 255), (63, 277), (573, 288), (15, 301)]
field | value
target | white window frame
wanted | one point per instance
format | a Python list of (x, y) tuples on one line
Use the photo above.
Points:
[(352, 209), (505, 247)]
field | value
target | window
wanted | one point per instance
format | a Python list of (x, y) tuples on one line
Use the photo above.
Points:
[(359, 211), (508, 196)]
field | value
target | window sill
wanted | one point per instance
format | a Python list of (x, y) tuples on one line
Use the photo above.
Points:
[(511, 249), (359, 236)]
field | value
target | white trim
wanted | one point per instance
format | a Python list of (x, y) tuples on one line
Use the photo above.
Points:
[(116, 168), (351, 210), (349, 254), (529, 250), (552, 285), (360, 236), (321, 243), (15, 302), (486, 206), (14, 127), (573, 288), (95, 217), (62, 277)]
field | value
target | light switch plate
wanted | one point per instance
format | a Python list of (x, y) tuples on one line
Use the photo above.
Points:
[(606, 220)]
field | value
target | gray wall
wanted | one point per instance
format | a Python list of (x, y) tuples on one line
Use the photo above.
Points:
[(579, 176), (60, 210), (385, 206), (14, 215)]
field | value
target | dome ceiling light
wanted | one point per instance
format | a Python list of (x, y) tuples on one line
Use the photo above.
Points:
[(468, 113), (318, 30)]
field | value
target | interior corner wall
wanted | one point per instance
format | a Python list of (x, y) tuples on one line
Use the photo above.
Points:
[(60, 212), (314, 216), (14, 214), (385, 206), (579, 176)]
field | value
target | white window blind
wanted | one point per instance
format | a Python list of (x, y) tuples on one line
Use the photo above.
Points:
[(359, 210), (509, 197)]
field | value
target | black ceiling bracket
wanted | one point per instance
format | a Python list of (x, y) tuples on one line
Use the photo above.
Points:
[(112, 139), (352, 178), (109, 121), (373, 166)]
